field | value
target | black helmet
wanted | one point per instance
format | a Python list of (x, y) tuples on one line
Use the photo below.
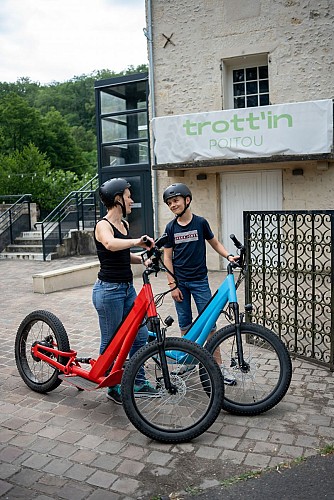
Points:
[(111, 188), (177, 189)]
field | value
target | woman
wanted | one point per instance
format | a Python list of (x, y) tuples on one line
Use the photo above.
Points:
[(113, 292)]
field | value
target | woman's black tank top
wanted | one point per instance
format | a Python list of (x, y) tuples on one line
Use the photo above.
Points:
[(115, 267)]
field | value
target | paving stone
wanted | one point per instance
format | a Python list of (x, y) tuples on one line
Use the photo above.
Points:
[(206, 452), (8, 470), (75, 491), (134, 452), (125, 485), (15, 423), (90, 441), (50, 432), (130, 467), (237, 457), (63, 450), (42, 445), (4, 488), (291, 451), (84, 456), (27, 477), (257, 460), (37, 461), (226, 442), (258, 434), (6, 435), (58, 466), (159, 458), (104, 495), (307, 441), (280, 437), (102, 479), (32, 427), (79, 472), (110, 448), (233, 430), (105, 461), (23, 440), (10, 453), (70, 437)]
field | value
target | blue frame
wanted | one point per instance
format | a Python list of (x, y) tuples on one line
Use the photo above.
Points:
[(203, 324)]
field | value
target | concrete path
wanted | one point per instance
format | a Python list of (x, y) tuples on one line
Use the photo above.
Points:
[(78, 445)]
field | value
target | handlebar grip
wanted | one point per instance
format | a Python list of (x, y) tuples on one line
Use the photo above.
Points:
[(236, 241), (146, 241)]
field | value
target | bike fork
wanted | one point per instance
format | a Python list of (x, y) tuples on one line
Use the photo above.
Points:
[(237, 322), (162, 354)]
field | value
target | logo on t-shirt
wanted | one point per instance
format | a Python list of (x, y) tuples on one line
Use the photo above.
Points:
[(186, 237)]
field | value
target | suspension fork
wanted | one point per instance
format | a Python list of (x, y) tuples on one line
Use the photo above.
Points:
[(163, 360), (237, 322)]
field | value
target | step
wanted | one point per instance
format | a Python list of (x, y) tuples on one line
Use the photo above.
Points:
[(27, 241), (26, 256), (65, 278), (71, 277), (14, 248), (31, 234)]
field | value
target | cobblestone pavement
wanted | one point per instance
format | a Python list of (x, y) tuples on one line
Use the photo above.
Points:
[(78, 445)]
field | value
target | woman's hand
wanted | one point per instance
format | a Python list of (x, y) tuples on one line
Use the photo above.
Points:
[(145, 242)]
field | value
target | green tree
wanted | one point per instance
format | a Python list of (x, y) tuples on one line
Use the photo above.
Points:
[(29, 172), (19, 123), (58, 143)]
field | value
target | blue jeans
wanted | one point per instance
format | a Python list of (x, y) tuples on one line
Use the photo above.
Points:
[(112, 302), (201, 293)]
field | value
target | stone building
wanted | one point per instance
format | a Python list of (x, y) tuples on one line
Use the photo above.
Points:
[(241, 105)]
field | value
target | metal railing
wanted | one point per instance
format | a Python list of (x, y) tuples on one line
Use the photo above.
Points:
[(290, 279), (15, 219), (79, 210)]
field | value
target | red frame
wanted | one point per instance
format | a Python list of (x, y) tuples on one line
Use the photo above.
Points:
[(116, 352)]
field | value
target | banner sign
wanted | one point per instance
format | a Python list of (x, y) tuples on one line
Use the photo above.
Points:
[(284, 129)]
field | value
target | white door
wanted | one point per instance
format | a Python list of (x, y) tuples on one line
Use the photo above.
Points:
[(260, 190)]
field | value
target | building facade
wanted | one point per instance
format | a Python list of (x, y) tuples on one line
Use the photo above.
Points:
[(222, 64)]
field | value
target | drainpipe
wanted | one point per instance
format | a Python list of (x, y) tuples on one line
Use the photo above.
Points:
[(149, 36)]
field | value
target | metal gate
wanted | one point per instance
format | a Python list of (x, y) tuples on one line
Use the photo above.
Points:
[(290, 279)]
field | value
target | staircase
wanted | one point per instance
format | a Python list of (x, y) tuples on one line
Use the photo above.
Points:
[(26, 246), (55, 235)]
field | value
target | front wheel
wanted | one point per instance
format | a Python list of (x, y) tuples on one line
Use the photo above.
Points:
[(194, 401), (266, 380), (40, 327)]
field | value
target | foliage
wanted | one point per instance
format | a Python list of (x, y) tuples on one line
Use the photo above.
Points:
[(29, 172), (48, 136)]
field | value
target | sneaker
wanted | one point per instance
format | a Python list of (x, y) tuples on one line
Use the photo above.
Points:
[(184, 369), (146, 390), (229, 379), (114, 393)]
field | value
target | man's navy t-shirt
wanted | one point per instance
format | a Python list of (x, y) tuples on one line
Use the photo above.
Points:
[(189, 251)]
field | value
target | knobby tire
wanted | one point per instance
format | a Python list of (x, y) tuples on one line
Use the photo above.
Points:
[(179, 417)]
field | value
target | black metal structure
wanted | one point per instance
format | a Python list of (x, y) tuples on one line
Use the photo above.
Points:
[(79, 210), (15, 219), (123, 142), (290, 279)]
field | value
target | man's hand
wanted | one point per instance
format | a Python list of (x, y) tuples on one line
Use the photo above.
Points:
[(177, 295)]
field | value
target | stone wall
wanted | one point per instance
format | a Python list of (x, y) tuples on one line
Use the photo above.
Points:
[(296, 34), (296, 39)]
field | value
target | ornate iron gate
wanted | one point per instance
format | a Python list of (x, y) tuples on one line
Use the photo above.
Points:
[(290, 280)]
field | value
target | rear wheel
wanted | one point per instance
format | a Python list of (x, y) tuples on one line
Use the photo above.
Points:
[(40, 327), (192, 405), (269, 372)]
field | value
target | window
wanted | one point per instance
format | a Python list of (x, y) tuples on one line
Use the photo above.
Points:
[(123, 129), (250, 87), (245, 82)]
